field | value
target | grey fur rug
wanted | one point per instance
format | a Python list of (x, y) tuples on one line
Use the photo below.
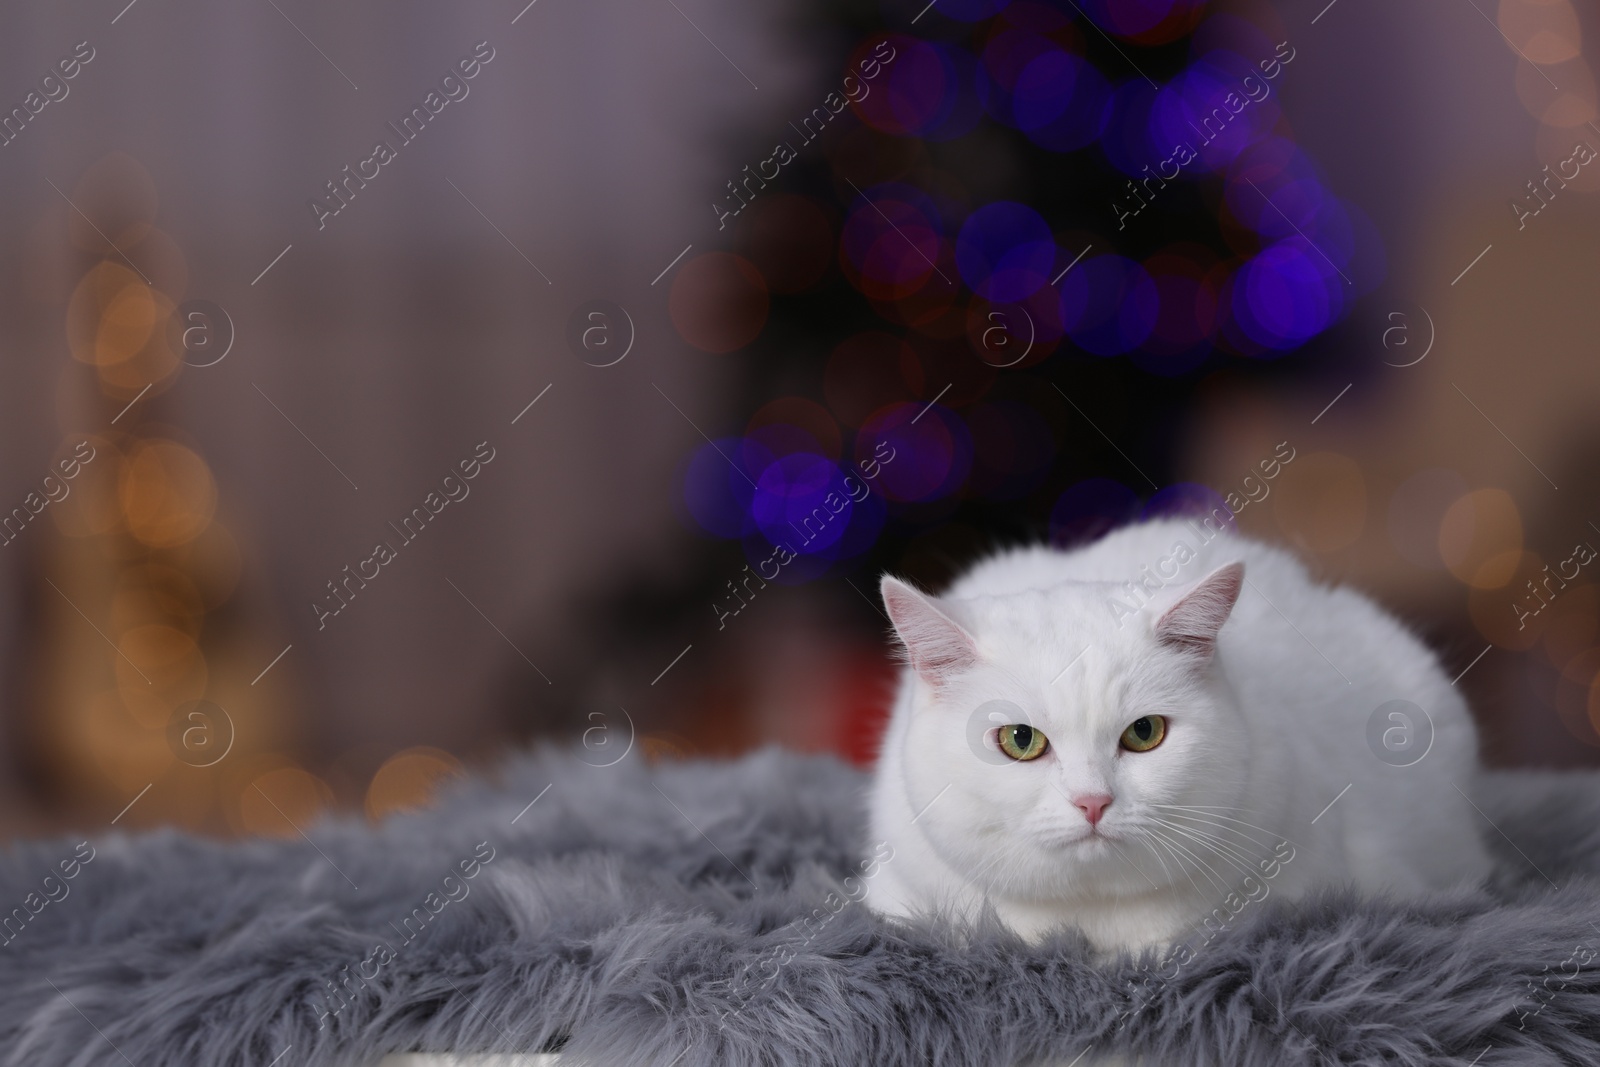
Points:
[(659, 915)]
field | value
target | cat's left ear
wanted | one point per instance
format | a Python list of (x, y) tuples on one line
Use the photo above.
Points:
[(1193, 622)]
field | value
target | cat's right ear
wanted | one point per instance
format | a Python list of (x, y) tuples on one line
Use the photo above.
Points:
[(935, 643)]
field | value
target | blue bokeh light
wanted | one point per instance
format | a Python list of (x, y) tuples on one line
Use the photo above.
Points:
[(1108, 305), (1060, 101), (930, 451), (717, 489), (1285, 296), (1005, 251)]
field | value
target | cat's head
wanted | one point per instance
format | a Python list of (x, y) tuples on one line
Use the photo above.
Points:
[(1050, 751)]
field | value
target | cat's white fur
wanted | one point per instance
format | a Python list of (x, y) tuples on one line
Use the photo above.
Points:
[(1268, 725)]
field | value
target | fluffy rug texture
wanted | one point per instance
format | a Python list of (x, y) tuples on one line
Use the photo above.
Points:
[(707, 913)]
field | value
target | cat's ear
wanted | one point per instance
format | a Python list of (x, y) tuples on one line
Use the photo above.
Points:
[(935, 643), (1193, 622)]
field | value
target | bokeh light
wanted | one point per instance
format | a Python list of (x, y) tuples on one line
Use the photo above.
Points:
[(969, 289), (1109, 305), (1145, 21), (1479, 525), (892, 245), (1060, 101), (1005, 251), (167, 493), (1284, 297), (283, 801), (801, 499), (930, 446), (1545, 31), (918, 92), (805, 415), (409, 780), (717, 489)]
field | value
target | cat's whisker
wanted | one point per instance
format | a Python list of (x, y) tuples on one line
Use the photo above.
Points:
[(1179, 853), (1201, 811), (1144, 839), (1221, 834), (1247, 860), (1183, 866), (1201, 865), (1221, 824), (1135, 866), (1220, 831), (1225, 857), (1215, 814), (1248, 850), (1184, 833), (1214, 809), (1156, 838), (1217, 845)]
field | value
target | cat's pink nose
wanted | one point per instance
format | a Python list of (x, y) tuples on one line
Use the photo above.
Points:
[(1093, 806)]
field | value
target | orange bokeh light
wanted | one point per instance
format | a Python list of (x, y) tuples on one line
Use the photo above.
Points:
[(167, 493), (409, 780), (1481, 525), (283, 801)]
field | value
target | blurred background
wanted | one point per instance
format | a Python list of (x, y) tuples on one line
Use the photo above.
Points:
[(386, 387)]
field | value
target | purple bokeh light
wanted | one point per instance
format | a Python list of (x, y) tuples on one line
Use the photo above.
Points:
[(798, 499), (1006, 55), (1060, 101), (914, 92), (1108, 305), (891, 242), (931, 450), (1129, 18), (1131, 143), (1005, 251), (717, 490), (1285, 296)]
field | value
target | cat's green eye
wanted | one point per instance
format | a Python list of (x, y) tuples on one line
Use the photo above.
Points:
[(1144, 733), (1022, 742)]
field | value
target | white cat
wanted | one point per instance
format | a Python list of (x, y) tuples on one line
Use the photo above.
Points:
[(1142, 736)]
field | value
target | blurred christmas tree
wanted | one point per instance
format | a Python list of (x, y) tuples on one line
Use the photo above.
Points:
[(1008, 268)]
